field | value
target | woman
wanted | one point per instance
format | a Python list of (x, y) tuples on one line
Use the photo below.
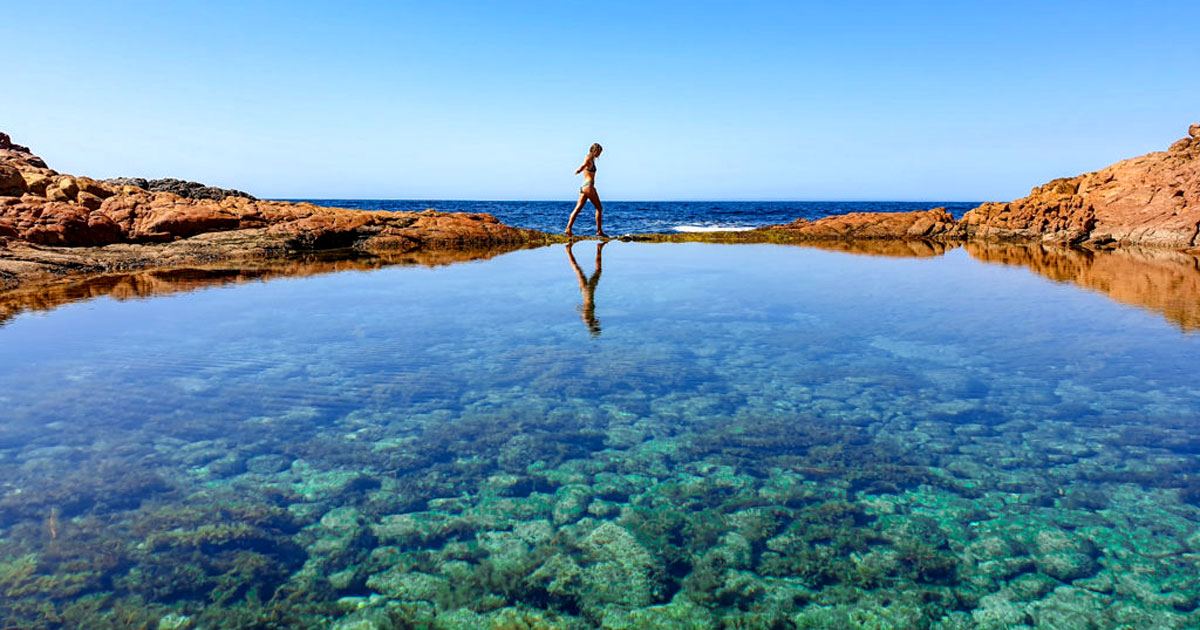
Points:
[(587, 288), (588, 190)]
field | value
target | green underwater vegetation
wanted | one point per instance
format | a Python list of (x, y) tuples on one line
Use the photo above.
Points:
[(367, 453)]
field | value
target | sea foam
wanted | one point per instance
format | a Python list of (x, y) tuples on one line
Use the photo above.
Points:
[(711, 228)]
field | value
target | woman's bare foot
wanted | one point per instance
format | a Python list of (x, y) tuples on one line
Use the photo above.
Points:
[(601, 234)]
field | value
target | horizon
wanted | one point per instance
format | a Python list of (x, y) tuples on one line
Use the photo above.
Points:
[(562, 200), (776, 101)]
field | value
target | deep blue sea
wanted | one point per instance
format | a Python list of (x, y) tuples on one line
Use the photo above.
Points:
[(636, 217)]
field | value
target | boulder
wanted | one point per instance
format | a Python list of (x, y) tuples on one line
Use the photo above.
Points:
[(922, 224), (12, 184)]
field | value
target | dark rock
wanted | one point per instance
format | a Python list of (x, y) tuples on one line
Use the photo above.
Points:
[(183, 188), (7, 143)]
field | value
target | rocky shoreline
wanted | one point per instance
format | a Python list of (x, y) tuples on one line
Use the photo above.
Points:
[(54, 225)]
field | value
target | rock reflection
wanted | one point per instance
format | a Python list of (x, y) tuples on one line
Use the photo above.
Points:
[(1161, 280), (907, 248), (155, 282), (587, 288)]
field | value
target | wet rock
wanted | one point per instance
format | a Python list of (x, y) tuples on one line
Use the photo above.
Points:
[(509, 553), (342, 521), (1030, 587), (319, 486), (571, 503), (410, 530), (398, 583), (996, 612), (602, 509), (994, 558), (560, 576), (346, 579), (1064, 556), (619, 570), (174, 621), (1193, 542), (509, 485), (373, 618), (228, 466), (680, 614), (1069, 608), (267, 464)]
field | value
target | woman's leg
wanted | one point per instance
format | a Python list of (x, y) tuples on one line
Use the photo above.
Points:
[(595, 199), (575, 212)]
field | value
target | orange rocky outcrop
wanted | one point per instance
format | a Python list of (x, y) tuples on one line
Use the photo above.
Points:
[(43, 207), (1152, 200), (53, 224), (922, 224)]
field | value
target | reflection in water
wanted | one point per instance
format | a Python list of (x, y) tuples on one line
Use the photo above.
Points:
[(1164, 281), (587, 287), (762, 450), (157, 282), (888, 248), (1161, 280)]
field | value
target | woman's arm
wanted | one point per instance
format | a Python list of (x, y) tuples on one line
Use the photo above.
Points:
[(584, 165)]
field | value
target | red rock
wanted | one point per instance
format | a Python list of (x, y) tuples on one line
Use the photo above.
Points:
[(1152, 200), (57, 223), (167, 219), (12, 184), (922, 224)]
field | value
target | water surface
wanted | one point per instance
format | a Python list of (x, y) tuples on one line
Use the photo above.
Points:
[(639, 436), (639, 217)]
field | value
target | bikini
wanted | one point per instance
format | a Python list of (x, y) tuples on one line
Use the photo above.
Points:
[(587, 183)]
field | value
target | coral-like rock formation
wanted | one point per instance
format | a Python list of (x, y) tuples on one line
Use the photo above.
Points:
[(1152, 200)]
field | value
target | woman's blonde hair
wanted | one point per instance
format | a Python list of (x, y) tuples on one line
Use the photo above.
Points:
[(595, 150)]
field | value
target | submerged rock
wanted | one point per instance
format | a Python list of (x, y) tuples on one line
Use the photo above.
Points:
[(620, 570), (1064, 556)]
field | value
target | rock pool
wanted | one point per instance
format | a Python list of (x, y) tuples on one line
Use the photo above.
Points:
[(699, 437)]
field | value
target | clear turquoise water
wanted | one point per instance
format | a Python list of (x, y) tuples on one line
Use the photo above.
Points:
[(735, 437)]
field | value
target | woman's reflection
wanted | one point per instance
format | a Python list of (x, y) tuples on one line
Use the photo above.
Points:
[(587, 287)]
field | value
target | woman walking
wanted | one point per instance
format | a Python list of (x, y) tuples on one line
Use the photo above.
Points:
[(587, 192)]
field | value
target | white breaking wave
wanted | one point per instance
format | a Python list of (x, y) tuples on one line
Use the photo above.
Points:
[(710, 228)]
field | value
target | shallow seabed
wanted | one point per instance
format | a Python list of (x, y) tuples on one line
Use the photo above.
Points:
[(700, 437)]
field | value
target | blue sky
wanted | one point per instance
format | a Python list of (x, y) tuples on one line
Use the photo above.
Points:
[(692, 100)]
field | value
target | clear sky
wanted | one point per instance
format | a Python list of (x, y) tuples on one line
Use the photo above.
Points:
[(952, 100)]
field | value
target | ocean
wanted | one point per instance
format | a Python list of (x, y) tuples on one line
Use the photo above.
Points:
[(636, 217)]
